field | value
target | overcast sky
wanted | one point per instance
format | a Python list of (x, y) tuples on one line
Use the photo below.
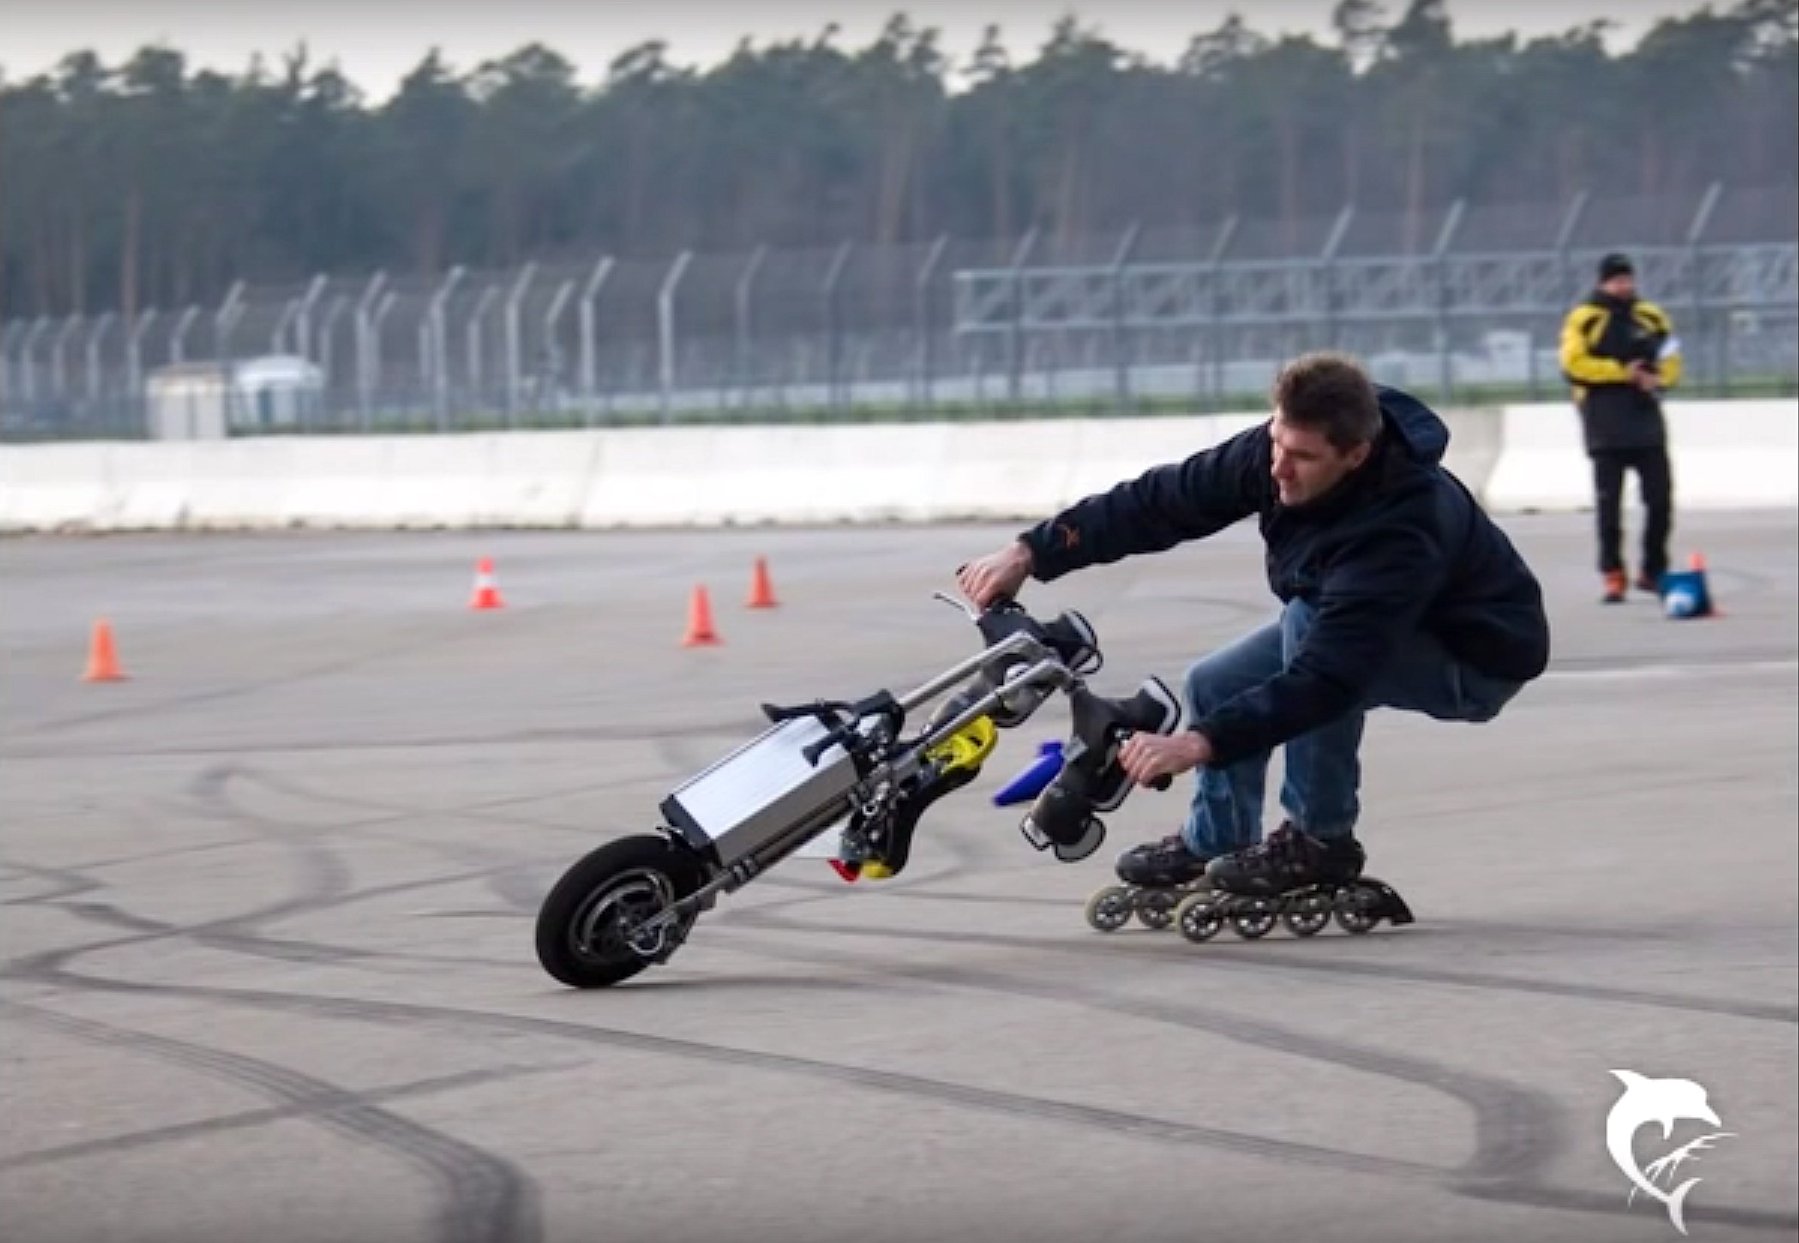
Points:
[(374, 42)]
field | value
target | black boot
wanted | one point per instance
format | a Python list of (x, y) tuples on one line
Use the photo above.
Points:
[(1287, 860), (1161, 864)]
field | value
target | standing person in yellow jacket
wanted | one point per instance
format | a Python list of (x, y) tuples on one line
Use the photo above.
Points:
[(1620, 353)]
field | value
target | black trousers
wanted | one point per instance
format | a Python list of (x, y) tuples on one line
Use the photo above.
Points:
[(1655, 479)]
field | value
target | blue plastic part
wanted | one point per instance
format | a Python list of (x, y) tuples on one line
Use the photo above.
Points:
[(1028, 784), (1684, 594)]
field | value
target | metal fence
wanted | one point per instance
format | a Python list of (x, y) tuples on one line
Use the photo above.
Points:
[(1460, 308)]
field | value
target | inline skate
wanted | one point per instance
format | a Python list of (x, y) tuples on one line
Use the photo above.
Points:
[(1154, 879), (1292, 879)]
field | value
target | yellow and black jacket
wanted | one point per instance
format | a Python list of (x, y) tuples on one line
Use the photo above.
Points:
[(1601, 338)]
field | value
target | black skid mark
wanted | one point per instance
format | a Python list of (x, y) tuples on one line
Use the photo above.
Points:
[(457, 1021), (132, 1140), (485, 1199)]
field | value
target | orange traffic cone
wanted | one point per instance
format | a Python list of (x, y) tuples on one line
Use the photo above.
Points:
[(487, 591), (1696, 564), (699, 621), (762, 591), (102, 659)]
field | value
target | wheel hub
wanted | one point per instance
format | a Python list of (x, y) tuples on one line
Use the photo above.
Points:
[(608, 925)]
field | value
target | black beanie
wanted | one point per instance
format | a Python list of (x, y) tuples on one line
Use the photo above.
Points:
[(1615, 265)]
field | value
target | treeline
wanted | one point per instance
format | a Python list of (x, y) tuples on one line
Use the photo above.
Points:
[(146, 183)]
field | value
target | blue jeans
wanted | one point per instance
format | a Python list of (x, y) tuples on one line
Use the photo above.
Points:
[(1323, 772)]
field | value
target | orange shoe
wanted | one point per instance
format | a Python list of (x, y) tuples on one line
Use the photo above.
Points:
[(1616, 584)]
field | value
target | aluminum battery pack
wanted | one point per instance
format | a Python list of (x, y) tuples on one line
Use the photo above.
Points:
[(761, 792)]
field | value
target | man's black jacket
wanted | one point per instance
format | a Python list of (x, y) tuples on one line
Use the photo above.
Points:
[(1398, 546)]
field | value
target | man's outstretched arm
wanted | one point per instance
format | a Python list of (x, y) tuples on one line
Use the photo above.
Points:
[(1162, 507)]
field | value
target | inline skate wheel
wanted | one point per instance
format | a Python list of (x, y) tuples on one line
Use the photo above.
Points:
[(1357, 910), (1109, 909), (1254, 918), (1156, 907), (1308, 915), (1199, 918)]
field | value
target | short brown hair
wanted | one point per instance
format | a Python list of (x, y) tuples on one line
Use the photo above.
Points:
[(1329, 392)]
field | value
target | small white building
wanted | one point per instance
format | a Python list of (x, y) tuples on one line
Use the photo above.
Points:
[(211, 400)]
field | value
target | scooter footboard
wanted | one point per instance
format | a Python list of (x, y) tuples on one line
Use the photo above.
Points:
[(1064, 816), (764, 796)]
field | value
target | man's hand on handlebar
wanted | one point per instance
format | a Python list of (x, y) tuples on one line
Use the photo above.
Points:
[(1145, 757), (997, 576)]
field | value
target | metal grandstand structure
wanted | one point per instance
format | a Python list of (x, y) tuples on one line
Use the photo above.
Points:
[(1462, 307)]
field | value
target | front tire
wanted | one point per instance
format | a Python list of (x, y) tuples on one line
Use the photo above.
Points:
[(583, 925)]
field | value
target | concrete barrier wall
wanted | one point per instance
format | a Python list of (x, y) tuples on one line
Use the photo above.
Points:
[(1727, 454)]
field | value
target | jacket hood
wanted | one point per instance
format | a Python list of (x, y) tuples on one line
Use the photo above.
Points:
[(1414, 425)]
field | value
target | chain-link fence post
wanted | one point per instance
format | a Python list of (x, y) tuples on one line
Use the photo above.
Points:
[(366, 345), (923, 322), (303, 326), (589, 380), (1705, 327), (1327, 272), (745, 288), (665, 326), (1121, 362), (1227, 233), (1445, 342), (434, 357), (1015, 337), (833, 326), (95, 336), (514, 365)]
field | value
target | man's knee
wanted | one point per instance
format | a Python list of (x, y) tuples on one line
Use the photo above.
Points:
[(1231, 670), (1207, 684)]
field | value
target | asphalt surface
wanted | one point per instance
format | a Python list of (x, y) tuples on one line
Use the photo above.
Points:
[(266, 913)]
